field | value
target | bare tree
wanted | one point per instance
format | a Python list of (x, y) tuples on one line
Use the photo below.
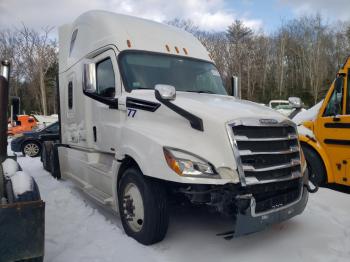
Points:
[(39, 52), (299, 59)]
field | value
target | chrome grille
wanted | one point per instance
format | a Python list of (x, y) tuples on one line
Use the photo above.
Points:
[(265, 153)]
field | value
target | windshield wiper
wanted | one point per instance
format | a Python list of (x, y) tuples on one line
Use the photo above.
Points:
[(201, 92), (206, 92), (143, 88)]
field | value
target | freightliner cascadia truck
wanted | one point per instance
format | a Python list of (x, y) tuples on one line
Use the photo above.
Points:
[(145, 119)]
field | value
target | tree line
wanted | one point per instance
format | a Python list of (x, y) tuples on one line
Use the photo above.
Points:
[(33, 55), (300, 58)]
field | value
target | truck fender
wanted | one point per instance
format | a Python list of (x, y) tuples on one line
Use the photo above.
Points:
[(127, 152), (315, 145)]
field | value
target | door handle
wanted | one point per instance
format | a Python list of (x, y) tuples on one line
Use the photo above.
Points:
[(95, 133), (336, 119)]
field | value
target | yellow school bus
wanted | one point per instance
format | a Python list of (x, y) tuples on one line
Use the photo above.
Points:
[(328, 150)]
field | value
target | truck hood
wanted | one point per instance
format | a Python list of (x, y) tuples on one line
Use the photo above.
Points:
[(152, 131), (215, 107)]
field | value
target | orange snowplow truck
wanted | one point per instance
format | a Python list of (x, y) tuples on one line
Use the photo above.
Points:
[(327, 147), (22, 124)]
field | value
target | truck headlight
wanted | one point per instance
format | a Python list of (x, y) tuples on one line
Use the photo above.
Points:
[(187, 164)]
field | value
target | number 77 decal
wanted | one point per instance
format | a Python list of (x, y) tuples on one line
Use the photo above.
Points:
[(131, 112)]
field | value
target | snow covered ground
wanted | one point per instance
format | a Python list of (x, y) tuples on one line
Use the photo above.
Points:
[(79, 230)]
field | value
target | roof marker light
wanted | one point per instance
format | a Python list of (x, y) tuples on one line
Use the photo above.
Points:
[(177, 49), (185, 51), (128, 43), (167, 48)]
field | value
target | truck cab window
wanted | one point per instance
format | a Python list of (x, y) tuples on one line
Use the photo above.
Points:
[(335, 103), (70, 95), (105, 78), (144, 70)]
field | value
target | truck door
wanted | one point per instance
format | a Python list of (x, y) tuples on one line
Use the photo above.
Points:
[(106, 121), (332, 128)]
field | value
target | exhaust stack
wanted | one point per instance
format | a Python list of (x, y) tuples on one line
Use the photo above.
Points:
[(4, 97), (236, 90)]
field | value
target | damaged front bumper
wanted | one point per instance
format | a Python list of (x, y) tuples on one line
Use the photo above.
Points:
[(255, 207), (248, 221), (253, 216)]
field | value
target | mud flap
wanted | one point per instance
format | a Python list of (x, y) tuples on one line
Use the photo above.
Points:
[(22, 230)]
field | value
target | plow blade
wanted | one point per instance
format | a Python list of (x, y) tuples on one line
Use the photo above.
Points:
[(22, 230)]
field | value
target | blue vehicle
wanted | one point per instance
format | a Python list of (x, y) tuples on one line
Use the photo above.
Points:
[(29, 143)]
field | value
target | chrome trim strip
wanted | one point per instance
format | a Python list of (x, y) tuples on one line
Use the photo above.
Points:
[(245, 138), (255, 122), (253, 180), (253, 169), (236, 152), (251, 153)]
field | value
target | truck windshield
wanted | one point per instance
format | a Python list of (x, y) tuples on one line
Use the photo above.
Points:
[(145, 70)]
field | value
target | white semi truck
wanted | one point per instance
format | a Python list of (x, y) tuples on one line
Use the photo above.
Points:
[(145, 119)]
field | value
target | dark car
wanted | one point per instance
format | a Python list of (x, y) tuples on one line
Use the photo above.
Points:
[(29, 143)]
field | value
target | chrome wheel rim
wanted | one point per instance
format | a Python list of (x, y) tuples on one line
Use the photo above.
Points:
[(133, 209), (31, 149)]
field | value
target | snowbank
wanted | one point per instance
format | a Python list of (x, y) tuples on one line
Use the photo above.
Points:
[(10, 167), (302, 130), (308, 115), (79, 230), (21, 183)]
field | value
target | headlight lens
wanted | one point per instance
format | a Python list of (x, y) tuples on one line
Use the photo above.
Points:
[(186, 164)]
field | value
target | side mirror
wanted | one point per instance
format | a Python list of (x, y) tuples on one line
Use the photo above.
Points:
[(5, 69), (236, 90), (89, 78), (295, 102), (166, 92)]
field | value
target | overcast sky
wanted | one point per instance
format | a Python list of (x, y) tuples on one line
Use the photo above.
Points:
[(207, 14)]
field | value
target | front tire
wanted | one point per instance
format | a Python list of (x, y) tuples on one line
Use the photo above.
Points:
[(143, 207), (31, 148)]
